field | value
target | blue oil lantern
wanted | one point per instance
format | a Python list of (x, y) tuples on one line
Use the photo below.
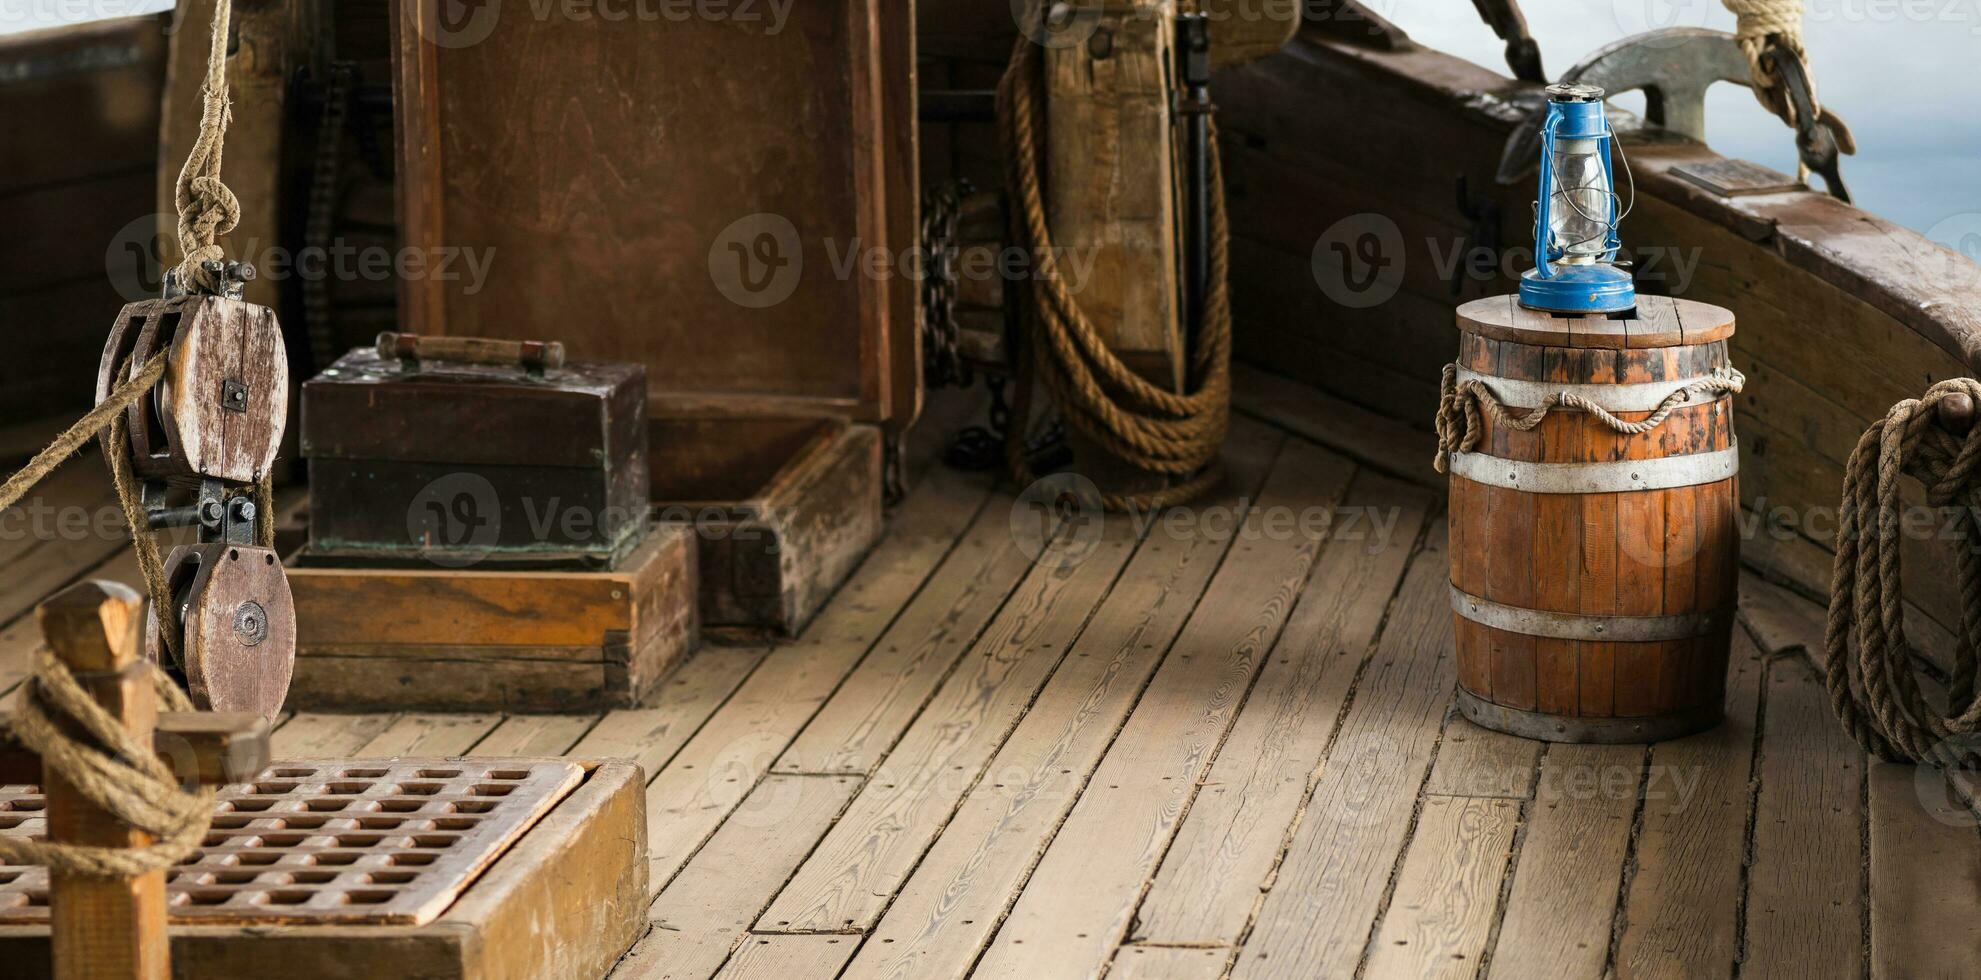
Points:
[(1575, 214)]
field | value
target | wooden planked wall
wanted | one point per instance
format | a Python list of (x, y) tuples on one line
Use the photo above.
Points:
[(79, 115)]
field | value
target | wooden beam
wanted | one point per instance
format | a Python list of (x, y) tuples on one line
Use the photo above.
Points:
[(209, 748)]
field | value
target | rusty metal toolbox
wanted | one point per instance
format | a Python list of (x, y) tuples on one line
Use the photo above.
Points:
[(483, 456)]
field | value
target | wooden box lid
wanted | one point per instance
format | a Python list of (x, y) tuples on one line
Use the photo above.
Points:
[(1658, 321), (701, 195), (579, 415)]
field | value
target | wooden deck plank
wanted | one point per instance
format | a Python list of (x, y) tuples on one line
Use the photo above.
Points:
[(1391, 446), (535, 735), (1680, 916), (694, 792), (953, 901), (1081, 899), (1480, 762), (1925, 878), (429, 735), (1168, 963), (1448, 891), (1212, 876), (1805, 889), (63, 528), (868, 714), (1569, 871), (790, 958), (318, 736), (650, 735), (855, 870), (1329, 888), (707, 910)]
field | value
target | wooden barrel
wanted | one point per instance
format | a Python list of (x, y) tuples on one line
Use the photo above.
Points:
[(1593, 573)]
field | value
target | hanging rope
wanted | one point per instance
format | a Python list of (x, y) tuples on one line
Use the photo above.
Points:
[(114, 771), (1465, 408), (1176, 435), (207, 208), (1874, 688)]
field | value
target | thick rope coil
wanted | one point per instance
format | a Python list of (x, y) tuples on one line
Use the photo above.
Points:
[(207, 208), (1177, 435), (116, 772), (1464, 409), (1874, 688), (1756, 23)]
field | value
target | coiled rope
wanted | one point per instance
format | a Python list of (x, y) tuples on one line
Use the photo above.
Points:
[(1874, 688), (1465, 408), (116, 772), (1176, 435), (1758, 22)]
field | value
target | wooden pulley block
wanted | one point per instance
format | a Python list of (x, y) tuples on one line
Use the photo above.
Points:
[(222, 406), (239, 627)]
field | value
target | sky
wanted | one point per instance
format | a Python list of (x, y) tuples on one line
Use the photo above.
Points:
[(1895, 70)]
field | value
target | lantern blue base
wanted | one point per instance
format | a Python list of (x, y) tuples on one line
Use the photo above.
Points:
[(1579, 289)]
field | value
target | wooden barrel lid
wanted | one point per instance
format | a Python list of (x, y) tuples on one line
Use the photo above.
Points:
[(1658, 321)]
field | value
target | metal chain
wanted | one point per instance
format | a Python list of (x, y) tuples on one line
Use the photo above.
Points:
[(943, 365)]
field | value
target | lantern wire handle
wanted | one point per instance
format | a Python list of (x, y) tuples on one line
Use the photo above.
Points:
[(1616, 200)]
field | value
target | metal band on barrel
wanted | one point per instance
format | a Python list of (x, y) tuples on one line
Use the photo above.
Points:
[(1635, 397), (1575, 626), (1609, 476)]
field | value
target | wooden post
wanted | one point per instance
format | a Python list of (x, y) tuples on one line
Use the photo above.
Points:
[(103, 929), (1112, 181)]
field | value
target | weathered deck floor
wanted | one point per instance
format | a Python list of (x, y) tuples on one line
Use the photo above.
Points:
[(1217, 746)]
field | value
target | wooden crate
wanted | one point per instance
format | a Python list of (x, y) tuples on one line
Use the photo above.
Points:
[(527, 915), (781, 509), (443, 639), (755, 167)]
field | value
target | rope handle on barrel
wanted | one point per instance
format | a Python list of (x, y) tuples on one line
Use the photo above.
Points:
[(1465, 406), (1874, 688)]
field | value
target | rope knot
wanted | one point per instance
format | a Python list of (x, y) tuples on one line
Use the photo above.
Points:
[(112, 770)]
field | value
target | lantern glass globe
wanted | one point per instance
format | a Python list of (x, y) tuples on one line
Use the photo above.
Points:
[(1579, 214)]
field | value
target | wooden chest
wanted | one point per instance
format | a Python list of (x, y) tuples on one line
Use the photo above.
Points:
[(479, 536), (746, 243), (436, 463)]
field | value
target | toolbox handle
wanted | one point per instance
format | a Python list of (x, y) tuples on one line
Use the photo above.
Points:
[(533, 356)]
